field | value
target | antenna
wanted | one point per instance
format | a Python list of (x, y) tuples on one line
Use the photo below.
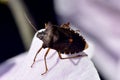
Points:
[(29, 21)]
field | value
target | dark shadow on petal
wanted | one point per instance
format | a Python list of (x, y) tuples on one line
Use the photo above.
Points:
[(6, 67), (76, 61), (54, 64)]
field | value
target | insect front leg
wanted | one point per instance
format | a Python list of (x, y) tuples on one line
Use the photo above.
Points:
[(60, 56), (46, 68), (35, 57)]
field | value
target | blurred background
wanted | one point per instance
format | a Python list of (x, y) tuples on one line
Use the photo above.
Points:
[(97, 20)]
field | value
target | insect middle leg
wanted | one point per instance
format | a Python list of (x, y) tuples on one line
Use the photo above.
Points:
[(46, 68), (36, 56), (59, 53)]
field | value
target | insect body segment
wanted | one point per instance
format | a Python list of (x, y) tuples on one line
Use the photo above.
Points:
[(62, 39)]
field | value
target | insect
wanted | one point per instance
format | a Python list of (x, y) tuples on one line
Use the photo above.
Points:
[(62, 39)]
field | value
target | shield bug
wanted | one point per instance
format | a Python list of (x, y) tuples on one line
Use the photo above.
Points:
[(63, 39)]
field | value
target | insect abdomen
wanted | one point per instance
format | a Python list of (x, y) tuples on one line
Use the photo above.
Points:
[(69, 42)]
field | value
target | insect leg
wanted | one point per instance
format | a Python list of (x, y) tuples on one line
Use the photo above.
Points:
[(86, 46), (71, 56), (36, 56), (46, 69)]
